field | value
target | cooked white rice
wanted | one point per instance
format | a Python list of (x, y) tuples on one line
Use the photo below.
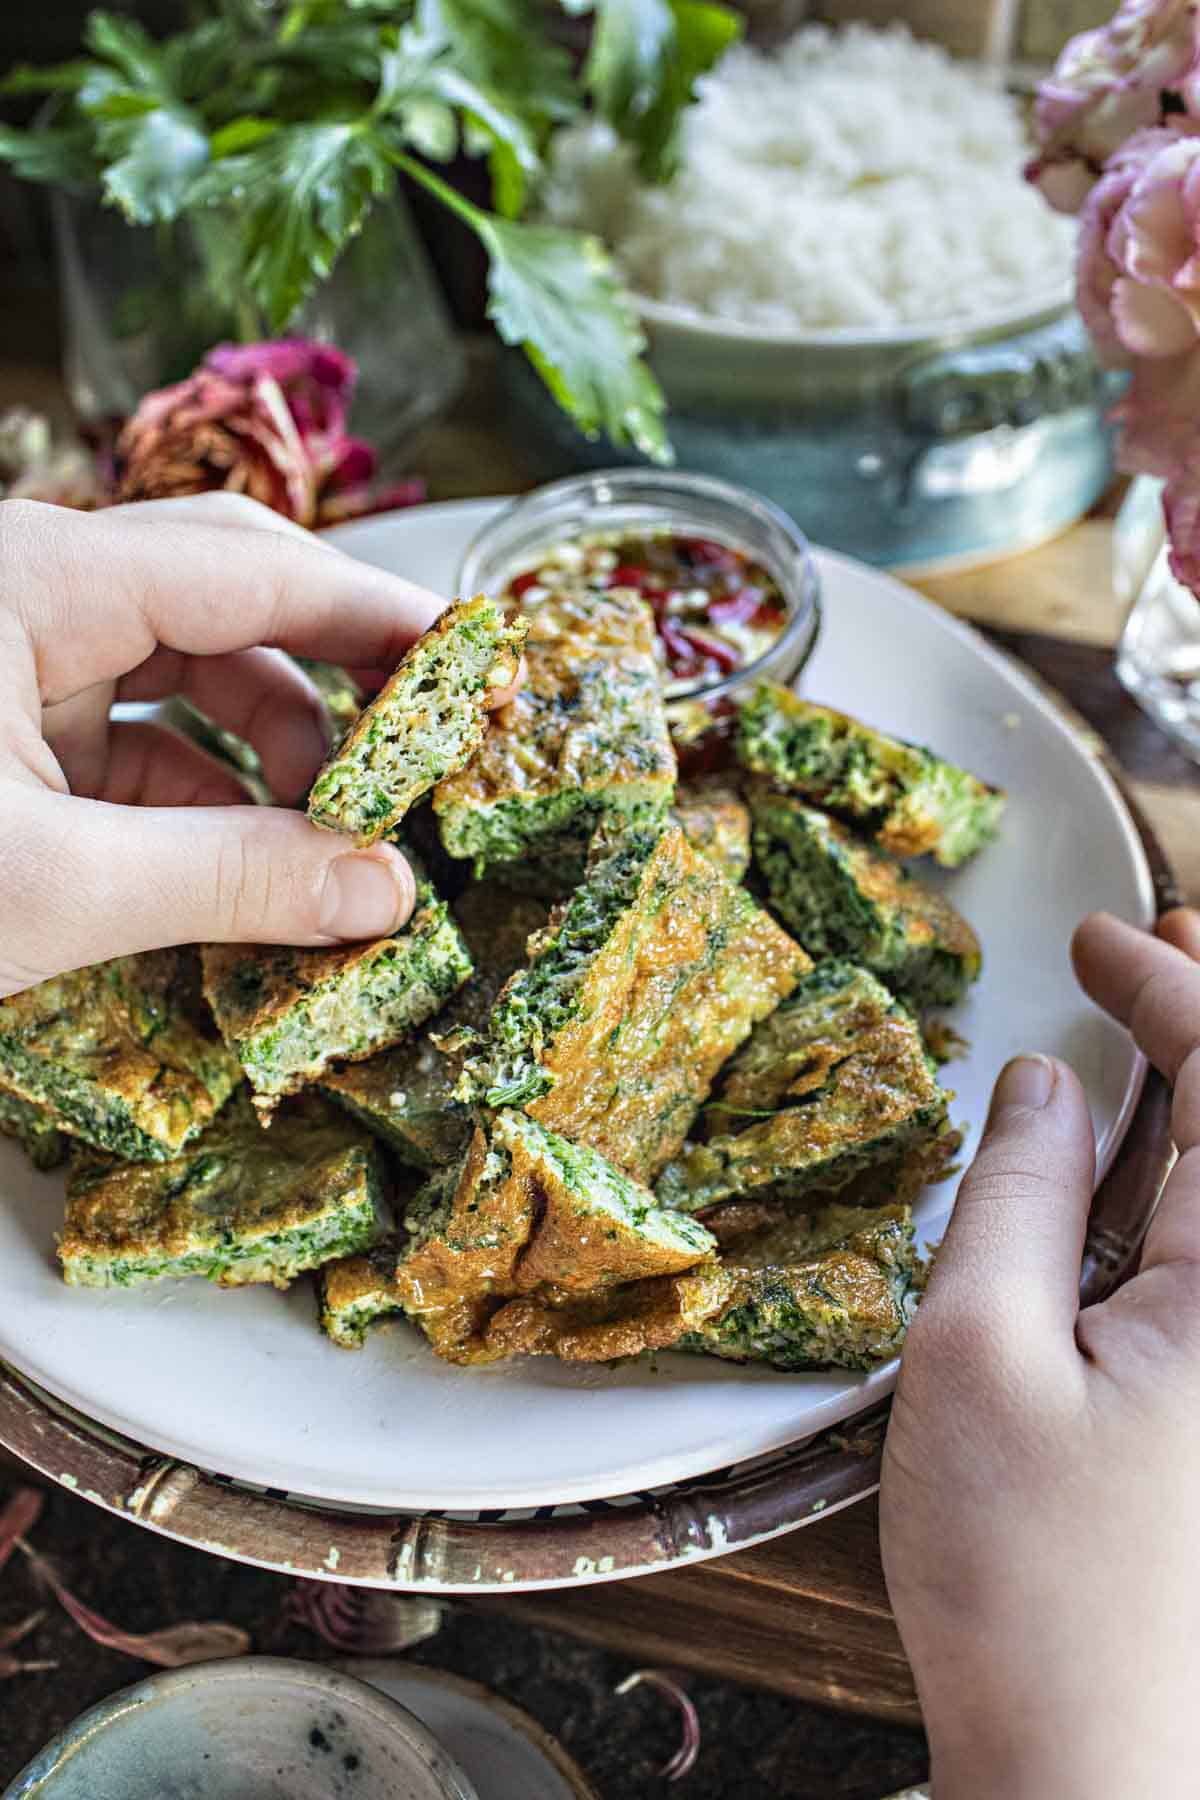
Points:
[(853, 178)]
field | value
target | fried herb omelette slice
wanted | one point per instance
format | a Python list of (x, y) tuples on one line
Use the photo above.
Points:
[(841, 897), (527, 1211), (834, 1288), (122, 1054), (585, 737), (716, 819), (836, 1081), (425, 723), (645, 980), (290, 1014), (356, 1292), (909, 800), (406, 1094), (33, 1129), (238, 1206)]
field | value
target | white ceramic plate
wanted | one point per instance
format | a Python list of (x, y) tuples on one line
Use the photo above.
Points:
[(243, 1384)]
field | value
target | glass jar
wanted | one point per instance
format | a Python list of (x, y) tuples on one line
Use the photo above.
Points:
[(638, 501), (142, 305)]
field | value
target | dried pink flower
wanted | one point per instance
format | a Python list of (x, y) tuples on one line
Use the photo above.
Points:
[(18, 1519), (684, 1759), (267, 420), (171, 1648), (362, 1621), (1107, 84)]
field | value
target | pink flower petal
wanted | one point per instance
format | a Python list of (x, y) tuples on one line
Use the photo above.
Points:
[(1159, 416), (1107, 84), (170, 1648), (1181, 508), (684, 1759), (18, 1519), (1151, 321), (363, 1621)]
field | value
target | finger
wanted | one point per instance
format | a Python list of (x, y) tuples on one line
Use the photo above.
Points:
[(98, 592), (220, 507), (77, 732), (1016, 1234), (1154, 990), (1181, 928), (129, 878), (261, 695), (1174, 1233), (149, 765)]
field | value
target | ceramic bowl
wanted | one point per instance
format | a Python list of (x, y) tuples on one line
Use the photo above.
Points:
[(250, 1728), (926, 446)]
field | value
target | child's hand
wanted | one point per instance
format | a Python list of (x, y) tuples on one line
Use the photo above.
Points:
[(125, 837), (1041, 1484)]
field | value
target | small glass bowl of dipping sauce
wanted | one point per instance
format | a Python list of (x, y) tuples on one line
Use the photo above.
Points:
[(730, 579)]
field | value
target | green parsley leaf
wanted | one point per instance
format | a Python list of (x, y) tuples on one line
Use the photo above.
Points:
[(556, 295), (61, 156), (502, 46), (58, 78), (298, 197), (645, 60), (123, 43), (510, 143), (154, 153)]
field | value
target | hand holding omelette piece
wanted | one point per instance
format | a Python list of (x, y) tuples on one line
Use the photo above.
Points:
[(145, 834)]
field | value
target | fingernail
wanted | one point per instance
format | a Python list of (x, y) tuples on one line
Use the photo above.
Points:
[(1026, 1081), (366, 895)]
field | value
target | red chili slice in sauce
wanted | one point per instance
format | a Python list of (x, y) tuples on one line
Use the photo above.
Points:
[(706, 596)]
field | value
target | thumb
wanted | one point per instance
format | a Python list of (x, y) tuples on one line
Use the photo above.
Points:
[(1015, 1241), (83, 881)]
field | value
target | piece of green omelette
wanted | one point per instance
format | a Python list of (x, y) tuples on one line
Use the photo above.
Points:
[(238, 1206), (906, 798), (584, 738), (425, 723), (642, 984), (831, 1288), (836, 1081), (33, 1129), (527, 1211), (842, 897), (407, 1094), (122, 1054), (291, 1014)]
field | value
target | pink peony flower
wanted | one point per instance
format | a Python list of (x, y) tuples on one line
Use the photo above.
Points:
[(1108, 84), (1181, 505), (1138, 288), (267, 420)]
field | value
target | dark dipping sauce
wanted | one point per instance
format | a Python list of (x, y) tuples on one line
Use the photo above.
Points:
[(716, 611)]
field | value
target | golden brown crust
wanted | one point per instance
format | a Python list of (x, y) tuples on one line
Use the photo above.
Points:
[(524, 1230), (716, 820), (654, 1316), (581, 651), (690, 968), (137, 1029), (234, 1180)]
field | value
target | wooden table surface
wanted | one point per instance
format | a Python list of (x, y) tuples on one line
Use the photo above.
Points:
[(808, 1614)]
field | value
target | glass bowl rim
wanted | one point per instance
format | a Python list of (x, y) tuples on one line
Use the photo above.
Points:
[(803, 598)]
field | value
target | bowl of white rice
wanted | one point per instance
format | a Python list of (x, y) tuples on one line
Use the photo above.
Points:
[(853, 300)]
